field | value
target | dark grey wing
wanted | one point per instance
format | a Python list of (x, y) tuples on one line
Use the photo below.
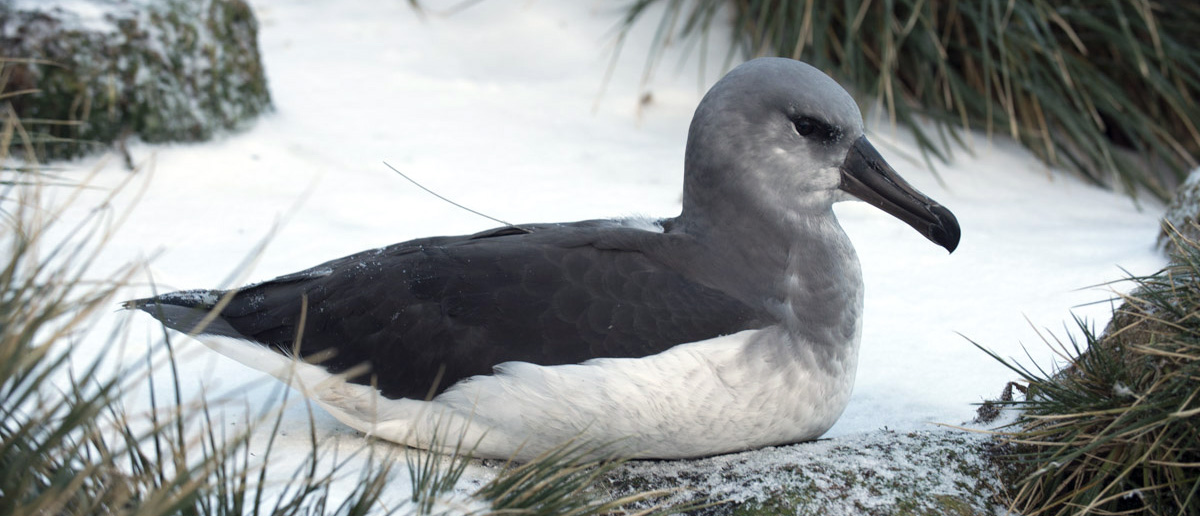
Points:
[(461, 305)]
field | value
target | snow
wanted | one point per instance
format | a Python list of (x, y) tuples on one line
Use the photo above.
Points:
[(89, 15), (499, 107)]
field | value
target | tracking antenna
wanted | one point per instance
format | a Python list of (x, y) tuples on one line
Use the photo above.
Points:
[(439, 196)]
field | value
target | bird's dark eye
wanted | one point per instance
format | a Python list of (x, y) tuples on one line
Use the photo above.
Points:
[(813, 128), (805, 126)]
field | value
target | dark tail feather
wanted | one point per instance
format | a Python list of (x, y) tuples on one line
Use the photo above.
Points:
[(187, 311)]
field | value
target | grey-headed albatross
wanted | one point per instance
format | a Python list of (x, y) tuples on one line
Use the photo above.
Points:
[(733, 326)]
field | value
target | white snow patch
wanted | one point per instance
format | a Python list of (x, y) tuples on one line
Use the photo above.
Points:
[(197, 297), (643, 223)]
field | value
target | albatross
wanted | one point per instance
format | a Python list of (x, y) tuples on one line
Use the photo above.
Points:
[(733, 326)]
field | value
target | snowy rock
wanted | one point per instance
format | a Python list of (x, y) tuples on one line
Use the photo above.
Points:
[(940, 471), (1183, 213), (170, 70)]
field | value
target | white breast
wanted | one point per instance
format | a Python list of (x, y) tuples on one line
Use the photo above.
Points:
[(747, 390)]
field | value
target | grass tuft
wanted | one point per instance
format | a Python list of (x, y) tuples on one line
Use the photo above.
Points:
[(1118, 430), (564, 481), (1108, 90), (67, 445)]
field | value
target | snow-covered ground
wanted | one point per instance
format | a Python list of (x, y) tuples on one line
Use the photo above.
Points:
[(503, 108)]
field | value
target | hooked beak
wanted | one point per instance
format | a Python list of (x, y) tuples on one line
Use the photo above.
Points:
[(867, 176)]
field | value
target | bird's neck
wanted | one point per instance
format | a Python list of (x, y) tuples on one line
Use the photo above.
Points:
[(803, 262)]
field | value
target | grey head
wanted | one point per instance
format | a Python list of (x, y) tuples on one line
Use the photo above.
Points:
[(780, 139)]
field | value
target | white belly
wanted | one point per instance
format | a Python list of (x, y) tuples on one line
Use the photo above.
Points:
[(747, 390)]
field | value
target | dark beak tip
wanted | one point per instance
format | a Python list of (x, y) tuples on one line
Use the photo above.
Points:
[(947, 232), (950, 242)]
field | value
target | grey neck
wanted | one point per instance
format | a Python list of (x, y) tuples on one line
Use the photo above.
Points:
[(801, 269)]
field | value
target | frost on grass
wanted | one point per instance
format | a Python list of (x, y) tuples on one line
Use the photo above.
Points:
[(171, 70), (939, 471)]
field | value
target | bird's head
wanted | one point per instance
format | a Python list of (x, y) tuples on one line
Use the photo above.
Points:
[(790, 140)]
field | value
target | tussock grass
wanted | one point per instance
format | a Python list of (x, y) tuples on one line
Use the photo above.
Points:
[(67, 446), (1107, 90), (1118, 431)]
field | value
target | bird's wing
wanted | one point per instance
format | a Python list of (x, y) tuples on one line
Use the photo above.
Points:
[(457, 306)]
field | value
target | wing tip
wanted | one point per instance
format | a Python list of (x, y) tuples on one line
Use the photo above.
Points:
[(188, 311)]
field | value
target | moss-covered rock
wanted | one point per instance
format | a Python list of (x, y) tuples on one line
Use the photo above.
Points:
[(936, 472), (1183, 214), (165, 70)]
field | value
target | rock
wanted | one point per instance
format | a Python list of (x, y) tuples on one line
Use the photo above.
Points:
[(1183, 213), (166, 70), (940, 471)]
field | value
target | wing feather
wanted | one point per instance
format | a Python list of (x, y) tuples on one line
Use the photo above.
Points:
[(548, 295)]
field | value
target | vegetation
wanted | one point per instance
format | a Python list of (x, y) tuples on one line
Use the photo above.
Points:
[(66, 445), (1118, 431), (1108, 90)]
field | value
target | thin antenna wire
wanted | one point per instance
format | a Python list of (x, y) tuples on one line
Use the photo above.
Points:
[(435, 194)]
